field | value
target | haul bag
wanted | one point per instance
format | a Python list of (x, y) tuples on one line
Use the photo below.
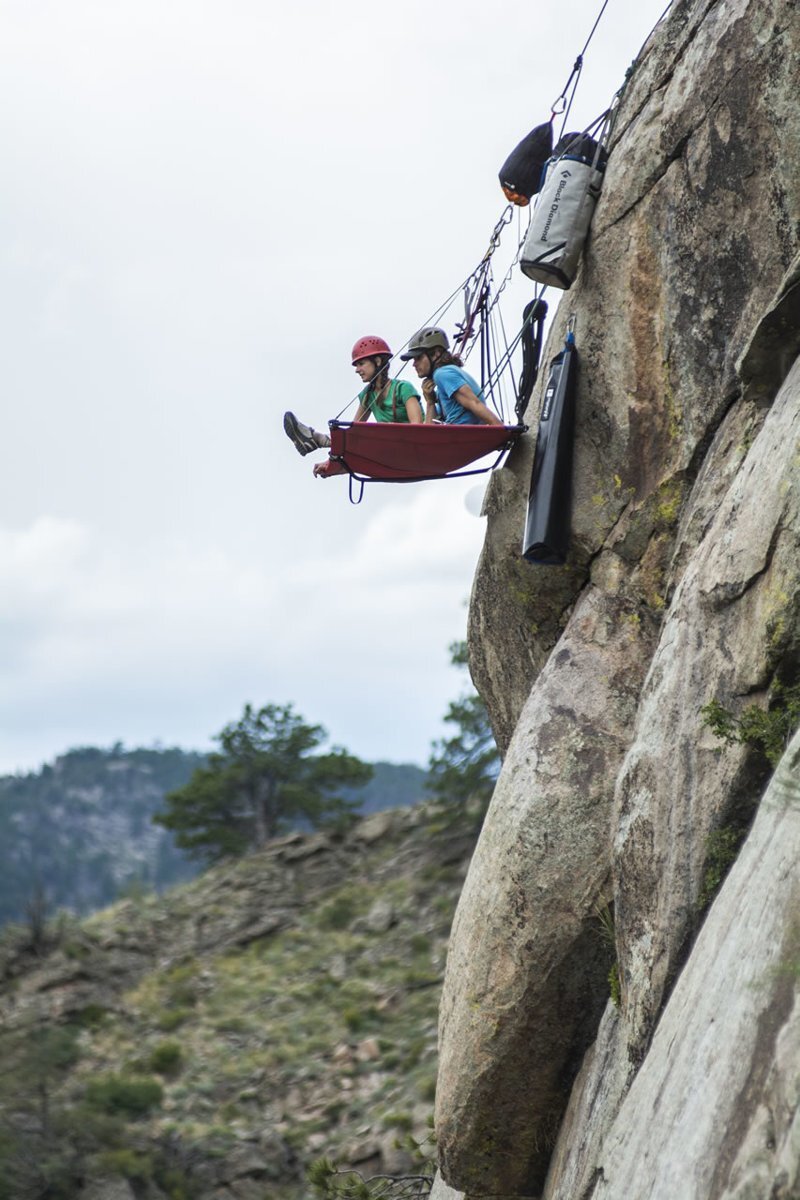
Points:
[(547, 525), (563, 212), (521, 174), (390, 452)]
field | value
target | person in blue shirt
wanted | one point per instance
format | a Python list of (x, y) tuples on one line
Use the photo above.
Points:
[(446, 385)]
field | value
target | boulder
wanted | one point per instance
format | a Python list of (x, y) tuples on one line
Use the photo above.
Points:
[(374, 827), (527, 972)]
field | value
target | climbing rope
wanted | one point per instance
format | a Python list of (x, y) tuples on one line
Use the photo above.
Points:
[(483, 322), (575, 74)]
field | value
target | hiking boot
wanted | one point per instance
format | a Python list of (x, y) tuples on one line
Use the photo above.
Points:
[(302, 435)]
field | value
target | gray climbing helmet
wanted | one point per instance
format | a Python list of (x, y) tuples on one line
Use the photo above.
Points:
[(425, 340)]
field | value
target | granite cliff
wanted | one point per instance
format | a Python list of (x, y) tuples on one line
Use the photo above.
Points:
[(600, 856)]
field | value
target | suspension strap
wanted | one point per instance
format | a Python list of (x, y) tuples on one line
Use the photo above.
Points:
[(355, 495)]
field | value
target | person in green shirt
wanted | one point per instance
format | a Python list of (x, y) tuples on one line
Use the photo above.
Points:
[(383, 398)]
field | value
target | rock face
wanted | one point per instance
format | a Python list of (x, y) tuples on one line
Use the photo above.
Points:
[(720, 1079), (683, 587)]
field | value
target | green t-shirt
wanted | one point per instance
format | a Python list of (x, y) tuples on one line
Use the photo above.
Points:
[(393, 405)]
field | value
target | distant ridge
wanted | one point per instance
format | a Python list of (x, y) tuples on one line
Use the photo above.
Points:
[(78, 834)]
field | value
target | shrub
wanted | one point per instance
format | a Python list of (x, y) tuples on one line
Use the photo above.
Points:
[(768, 730), (171, 1018), (722, 849), (128, 1097), (90, 1017), (398, 1120), (358, 1018), (339, 912), (354, 1018), (166, 1059), (132, 1165)]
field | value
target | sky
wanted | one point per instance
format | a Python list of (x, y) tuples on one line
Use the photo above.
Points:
[(203, 205)]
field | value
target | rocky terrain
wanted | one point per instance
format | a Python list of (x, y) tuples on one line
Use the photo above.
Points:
[(79, 833), (215, 1041), (644, 693)]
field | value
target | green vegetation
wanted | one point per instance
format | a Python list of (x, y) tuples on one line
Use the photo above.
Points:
[(722, 849), (340, 911), (34, 1160), (331, 1183), (114, 1094), (768, 730), (310, 1033), (465, 767), (328, 1025), (605, 920), (166, 1059), (263, 781), (138, 1168)]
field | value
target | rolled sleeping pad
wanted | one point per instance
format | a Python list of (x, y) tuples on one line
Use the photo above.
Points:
[(533, 315), (547, 525)]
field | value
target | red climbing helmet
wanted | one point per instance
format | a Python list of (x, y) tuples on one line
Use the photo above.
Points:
[(365, 347)]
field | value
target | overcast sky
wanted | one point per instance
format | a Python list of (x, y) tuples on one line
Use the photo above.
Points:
[(203, 205)]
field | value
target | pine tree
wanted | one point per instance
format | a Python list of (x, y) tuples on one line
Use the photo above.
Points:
[(464, 767), (265, 779)]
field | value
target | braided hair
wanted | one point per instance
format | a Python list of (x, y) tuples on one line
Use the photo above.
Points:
[(379, 383)]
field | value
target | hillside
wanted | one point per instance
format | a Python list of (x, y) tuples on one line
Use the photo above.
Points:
[(212, 1042), (80, 832)]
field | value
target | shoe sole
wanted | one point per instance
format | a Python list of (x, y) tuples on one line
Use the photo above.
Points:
[(302, 444)]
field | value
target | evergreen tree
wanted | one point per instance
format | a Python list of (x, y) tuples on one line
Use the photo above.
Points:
[(465, 766), (264, 779)]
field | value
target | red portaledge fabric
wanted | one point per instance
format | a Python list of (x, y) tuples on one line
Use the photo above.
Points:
[(388, 451)]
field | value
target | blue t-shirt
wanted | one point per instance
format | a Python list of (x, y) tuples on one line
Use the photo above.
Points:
[(449, 380)]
